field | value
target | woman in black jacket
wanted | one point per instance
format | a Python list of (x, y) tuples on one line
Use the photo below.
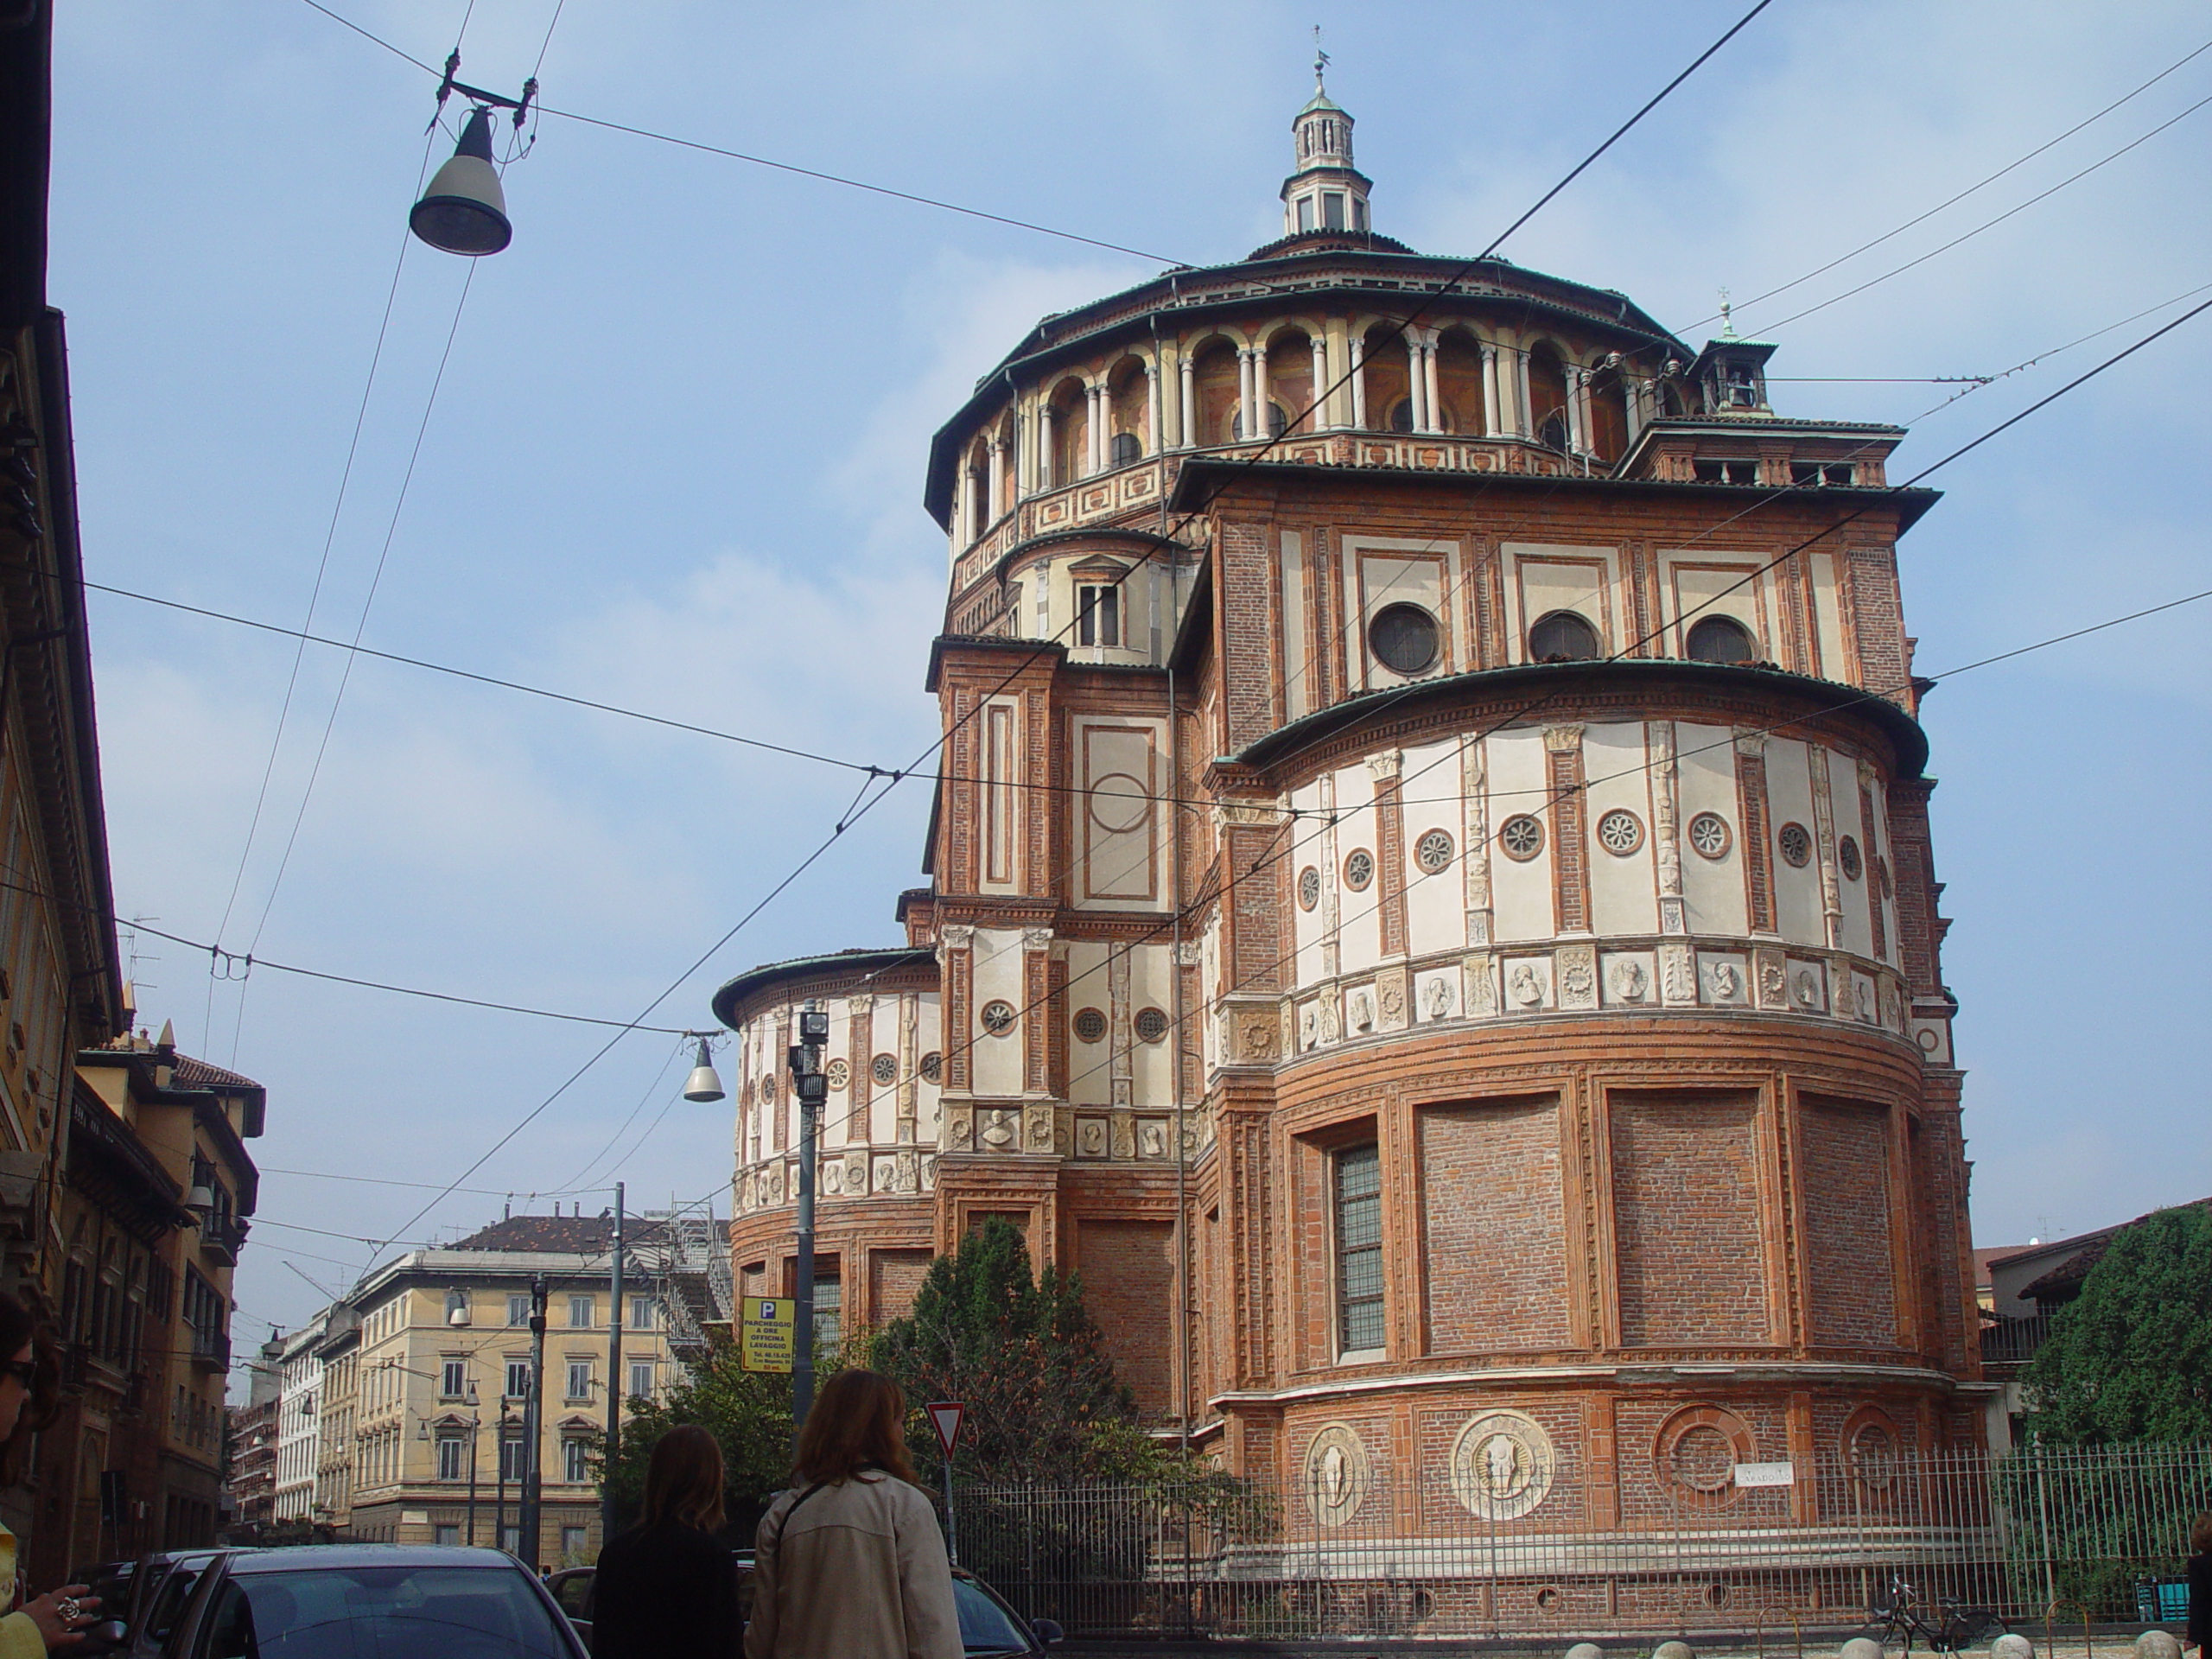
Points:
[(668, 1585)]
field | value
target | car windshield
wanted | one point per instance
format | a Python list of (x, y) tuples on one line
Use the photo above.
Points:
[(984, 1625), (384, 1613)]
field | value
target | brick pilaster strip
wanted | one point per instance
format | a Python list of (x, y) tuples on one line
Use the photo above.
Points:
[(1876, 861), (1036, 1013), (1570, 852), (1756, 843), (1389, 850), (959, 1019)]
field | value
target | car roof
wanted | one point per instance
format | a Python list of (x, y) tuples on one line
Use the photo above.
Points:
[(305, 1557)]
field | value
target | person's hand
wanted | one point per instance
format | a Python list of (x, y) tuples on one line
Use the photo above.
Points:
[(62, 1616)]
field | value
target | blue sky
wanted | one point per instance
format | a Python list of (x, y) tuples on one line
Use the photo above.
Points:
[(674, 463)]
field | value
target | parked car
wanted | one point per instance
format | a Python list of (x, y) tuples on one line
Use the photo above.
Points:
[(988, 1624), (157, 1592), (367, 1601)]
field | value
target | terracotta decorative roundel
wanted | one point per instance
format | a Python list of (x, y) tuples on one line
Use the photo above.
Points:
[(884, 1068), (1089, 1025), (1846, 854), (1709, 836), (1151, 1024), (1521, 836), (1796, 845), (1433, 852), (1620, 832), (998, 1017), (1309, 888), (1359, 870), (840, 1073), (932, 1066)]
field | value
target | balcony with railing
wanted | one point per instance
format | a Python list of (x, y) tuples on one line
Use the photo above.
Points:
[(210, 1350), (2014, 1341)]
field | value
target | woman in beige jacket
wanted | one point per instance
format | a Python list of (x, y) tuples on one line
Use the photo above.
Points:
[(849, 1563), (54, 1622)]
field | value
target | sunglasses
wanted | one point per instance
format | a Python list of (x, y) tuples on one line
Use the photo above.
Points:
[(22, 1371)]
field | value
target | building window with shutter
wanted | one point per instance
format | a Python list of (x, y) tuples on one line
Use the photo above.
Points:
[(449, 1461), (574, 1468), (579, 1380), (1359, 1182), (517, 1378), (1098, 615), (581, 1311)]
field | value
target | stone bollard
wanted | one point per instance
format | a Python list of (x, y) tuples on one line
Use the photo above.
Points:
[(1673, 1651), (2156, 1644), (1586, 1650), (2012, 1645), (1862, 1647)]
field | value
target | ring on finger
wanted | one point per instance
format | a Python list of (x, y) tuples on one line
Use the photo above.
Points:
[(69, 1610)]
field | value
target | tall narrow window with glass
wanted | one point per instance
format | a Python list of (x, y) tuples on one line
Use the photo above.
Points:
[(1358, 1181), (1098, 614)]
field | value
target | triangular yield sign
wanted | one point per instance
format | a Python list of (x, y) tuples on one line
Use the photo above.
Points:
[(945, 1417)]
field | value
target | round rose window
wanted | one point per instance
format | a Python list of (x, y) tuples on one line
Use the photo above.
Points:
[(1846, 854), (1151, 1024), (1433, 852), (998, 1017), (1523, 836), (1089, 1025), (1359, 870), (1795, 844), (1309, 888), (1620, 832), (1709, 835)]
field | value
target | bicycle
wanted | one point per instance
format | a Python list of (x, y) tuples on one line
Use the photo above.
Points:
[(1945, 1625)]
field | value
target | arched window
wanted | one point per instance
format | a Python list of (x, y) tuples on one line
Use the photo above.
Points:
[(1722, 639), (1547, 395), (1401, 415), (1278, 418), (1127, 448), (1562, 636)]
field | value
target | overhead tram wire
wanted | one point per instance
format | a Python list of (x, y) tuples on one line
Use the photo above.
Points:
[(776, 166), (248, 962)]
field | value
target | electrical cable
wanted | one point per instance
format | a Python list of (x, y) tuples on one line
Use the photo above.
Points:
[(1953, 201), (1798, 317), (229, 960), (574, 1183)]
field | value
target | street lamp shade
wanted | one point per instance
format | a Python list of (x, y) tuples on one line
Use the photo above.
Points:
[(464, 211), (200, 1198), (703, 1086)]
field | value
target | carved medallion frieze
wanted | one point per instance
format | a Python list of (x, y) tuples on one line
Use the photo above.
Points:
[(1337, 1474), (1501, 1465)]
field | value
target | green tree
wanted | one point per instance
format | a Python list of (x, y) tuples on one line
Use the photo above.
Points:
[(2131, 1358), (1023, 1352), (748, 1413)]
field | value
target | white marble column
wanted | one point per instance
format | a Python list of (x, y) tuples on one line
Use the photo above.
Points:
[(1416, 384), (1152, 408), (1098, 430), (1244, 391), (1577, 403), (1262, 397), (1521, 399), (1359, 381), (1319, 417), (996, 504), (1490, 390), (1044, 479), (1430, 394), (1186, 430)]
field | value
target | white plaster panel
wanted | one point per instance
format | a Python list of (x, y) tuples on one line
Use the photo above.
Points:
[(1623, 891), (996, 1061), (1540, 578), (1827, 620), (1383, 570), (1117, 824), (1797, 912), (1858, 897), (929, 1038), (1520, 893), (1307, 926), (1296, 691), (1361, 929), (1436, 910), (1713, 889), (1152, 985), (1091, 1081)]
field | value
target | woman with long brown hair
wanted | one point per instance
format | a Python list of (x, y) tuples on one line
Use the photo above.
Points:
[(849, 1563), (55, 1622), (668, 1585)]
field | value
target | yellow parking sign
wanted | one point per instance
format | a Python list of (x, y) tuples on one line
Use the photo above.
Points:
[(765, 1327)]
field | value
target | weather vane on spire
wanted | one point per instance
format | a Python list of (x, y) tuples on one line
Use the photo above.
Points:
[(1727, 318), (1320, 58)]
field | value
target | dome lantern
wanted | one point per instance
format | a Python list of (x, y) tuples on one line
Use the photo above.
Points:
[(1324, 191)]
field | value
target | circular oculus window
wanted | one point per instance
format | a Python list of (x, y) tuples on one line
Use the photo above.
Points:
[(884, 1068), (1433, 852), (1846, 854), (1404, 639), (1620, 832), (998, 1017), (1709, 836), (1151, 1024), (932, 1066), (1521, 836), (1795, 844), (1309, 888), (1089, 1025), (840, 1074), (1359, 869)]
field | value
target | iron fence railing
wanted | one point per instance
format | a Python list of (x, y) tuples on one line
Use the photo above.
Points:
[(2013, 1341), (2039, 1535)]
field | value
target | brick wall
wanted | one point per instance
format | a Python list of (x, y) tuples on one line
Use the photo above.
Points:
[(1495, 1221), (894, 1277), (1687, 1220), (1846, 1160), (1128, 1284)]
